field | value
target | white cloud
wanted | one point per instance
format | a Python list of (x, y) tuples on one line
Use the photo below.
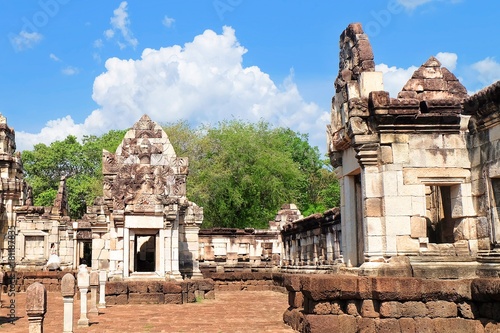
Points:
[(203, 81), (98, 43), (412, 4), (394, 77), (25, 40), (120, 22), (448, 60), (70, 70), (54, 57), (487, 71), (168, 21)]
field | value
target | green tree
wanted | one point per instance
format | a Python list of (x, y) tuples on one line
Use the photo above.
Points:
[(79, 162), (241, 173)]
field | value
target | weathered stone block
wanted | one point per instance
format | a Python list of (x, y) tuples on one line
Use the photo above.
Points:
[(418, 226), (387, 325), (449, 290), (295, 299), (373, 207), (408, 325), (441, 309), (325, 323), (353, 307), (150, 298), (391, 309), (115, 288), (370, 308), (413, 309), (174, 298), (138, 287)]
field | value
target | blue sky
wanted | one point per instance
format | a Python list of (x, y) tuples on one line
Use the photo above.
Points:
[(85, 67)]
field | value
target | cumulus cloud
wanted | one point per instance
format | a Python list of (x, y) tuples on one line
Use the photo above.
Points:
[(168, 21), (203, 81), (395, 77), (121, 23), (25, 40), (487, 71), (448, 60)]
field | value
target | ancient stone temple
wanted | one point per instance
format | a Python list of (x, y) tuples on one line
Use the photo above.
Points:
[(417, 172), (143, 225)]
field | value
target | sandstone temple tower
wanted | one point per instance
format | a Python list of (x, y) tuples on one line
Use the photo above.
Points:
[(143, 226), (404, 165)]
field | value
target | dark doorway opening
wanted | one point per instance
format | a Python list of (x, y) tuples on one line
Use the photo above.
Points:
[(145, 254)]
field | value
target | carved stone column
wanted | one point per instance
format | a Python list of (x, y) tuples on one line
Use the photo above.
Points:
[(83, 284)]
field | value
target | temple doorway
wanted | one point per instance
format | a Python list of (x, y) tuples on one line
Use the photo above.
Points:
[(145, 254)]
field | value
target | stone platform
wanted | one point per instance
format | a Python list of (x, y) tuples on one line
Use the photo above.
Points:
[(243, 311)]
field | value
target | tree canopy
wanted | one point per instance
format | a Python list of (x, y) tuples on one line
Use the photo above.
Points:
[(241, 173)]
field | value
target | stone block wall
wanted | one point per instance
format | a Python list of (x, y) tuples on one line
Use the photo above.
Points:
[(51, 280), (322, 303), (251, 281), (231, 249), (158, 292)]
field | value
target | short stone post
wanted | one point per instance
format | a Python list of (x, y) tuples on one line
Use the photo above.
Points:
[(94, 283), (36, 306), (68, 294), (83, 284), (102, 289)]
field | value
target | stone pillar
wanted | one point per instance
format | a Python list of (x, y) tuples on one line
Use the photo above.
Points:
[(83, 284), (68, 293), (94, 283), (191, 233), (36, 306), (102, 289)]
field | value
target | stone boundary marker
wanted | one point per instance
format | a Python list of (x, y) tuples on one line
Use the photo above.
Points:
[(68, 294), (36, 306)]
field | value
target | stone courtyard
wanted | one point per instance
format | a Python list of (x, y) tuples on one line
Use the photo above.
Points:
[(231, 311)]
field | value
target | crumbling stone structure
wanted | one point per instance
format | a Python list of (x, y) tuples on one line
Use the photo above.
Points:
[(239, 250), (417, 172)]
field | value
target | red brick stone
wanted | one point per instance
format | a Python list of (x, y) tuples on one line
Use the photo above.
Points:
[(366, 325), (387, 325), (145, 298), (326, 287), (292, 282), (171, 288), (294, 318), (441, 309), (397, 289), (121, 299), (455, 325), (449, 290), (138, 287), (413, 309), (391, 309), (408, 325), (295, 299), (424, 325), (330, 323), (485, 290), (370, 308), (115, 288), (173, 298)]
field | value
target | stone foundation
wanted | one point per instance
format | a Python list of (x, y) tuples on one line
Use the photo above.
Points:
[(159, 292), (251, 281), (389, 304), (50, 279)]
